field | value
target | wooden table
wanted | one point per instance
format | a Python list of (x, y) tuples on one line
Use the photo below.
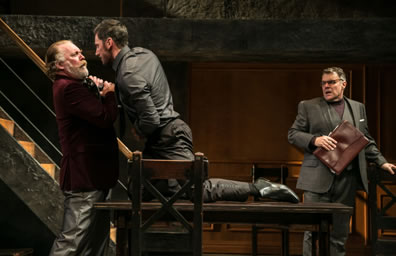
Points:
[(285, 214)]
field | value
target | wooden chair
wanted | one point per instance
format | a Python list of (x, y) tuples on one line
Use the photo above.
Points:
[(141, 172), (380, 220), (278, 175)]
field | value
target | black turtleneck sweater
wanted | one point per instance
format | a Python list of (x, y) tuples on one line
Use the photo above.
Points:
[(339, 106)]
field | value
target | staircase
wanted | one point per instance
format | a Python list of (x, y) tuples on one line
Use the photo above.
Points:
[(31, 203), (27, 143)]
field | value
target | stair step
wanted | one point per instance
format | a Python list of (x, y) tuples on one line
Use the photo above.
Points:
[(50, 169), (8, 125), (28, 146)]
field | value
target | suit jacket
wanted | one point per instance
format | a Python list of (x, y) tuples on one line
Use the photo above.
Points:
[(314, 119), (87, 137)]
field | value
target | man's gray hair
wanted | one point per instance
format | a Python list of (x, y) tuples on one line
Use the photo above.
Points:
[(337, 70), (53, 56)]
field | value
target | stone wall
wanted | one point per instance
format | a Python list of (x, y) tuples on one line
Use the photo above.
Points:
[(281, 40), (207, 9), (279, 9)]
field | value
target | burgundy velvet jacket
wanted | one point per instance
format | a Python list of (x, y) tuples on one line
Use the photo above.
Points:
[(87, 137)]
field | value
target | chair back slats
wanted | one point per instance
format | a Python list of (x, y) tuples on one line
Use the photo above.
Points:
[(177, 169), (141, 172)]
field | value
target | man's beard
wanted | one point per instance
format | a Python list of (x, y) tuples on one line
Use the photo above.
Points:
[(106, 60), (77, 72)]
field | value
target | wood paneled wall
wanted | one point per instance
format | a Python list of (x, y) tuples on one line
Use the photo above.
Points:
[(240, 114)]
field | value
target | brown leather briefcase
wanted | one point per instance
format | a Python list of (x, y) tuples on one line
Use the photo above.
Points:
[(350, 141)]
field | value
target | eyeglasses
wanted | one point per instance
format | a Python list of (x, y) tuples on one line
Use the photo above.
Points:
[(330, 82)]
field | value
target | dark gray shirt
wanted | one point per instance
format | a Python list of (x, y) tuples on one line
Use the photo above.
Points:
[(143, 89)]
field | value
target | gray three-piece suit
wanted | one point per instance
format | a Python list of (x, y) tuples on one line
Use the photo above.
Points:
[(316, 117)]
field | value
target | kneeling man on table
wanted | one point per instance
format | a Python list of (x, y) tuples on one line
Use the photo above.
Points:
[(145, 96)]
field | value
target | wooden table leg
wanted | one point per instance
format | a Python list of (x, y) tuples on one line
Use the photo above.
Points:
[(314, 239), (324, 238), (285, 242)]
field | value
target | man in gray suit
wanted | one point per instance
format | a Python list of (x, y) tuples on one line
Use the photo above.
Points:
[(315, 119)]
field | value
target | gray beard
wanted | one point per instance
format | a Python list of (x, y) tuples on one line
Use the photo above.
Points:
[(77, 72)]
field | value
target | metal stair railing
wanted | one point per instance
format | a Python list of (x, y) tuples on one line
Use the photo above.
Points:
[(37, 135)]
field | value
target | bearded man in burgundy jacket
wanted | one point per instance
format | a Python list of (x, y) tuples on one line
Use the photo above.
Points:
[(89, 166)]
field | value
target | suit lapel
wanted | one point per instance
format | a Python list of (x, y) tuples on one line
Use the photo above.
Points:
[(354, 111)]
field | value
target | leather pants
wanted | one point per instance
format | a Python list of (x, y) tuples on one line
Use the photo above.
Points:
[(174, 141), (225, 190), (85, 230), (213, 190)]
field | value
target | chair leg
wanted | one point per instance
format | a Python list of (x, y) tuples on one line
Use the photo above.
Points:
[(254, 240)]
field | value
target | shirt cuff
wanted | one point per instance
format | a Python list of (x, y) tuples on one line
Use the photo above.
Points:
[(312, 143)]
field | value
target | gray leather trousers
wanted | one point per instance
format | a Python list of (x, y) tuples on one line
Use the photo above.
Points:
[(174, 141), (213, 190), (85, 230), (225, 190)]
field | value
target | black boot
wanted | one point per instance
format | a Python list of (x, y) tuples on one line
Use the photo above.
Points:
[(275, 191)]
